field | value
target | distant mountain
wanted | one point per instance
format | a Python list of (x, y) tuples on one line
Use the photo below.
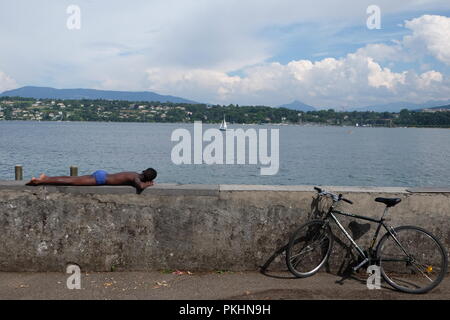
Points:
[(78, 94), (398, 106), (297, 105)]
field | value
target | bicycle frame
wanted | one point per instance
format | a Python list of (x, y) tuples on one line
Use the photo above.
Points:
[(381, 222)]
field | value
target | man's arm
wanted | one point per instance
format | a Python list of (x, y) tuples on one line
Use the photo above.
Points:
[(141, 186)]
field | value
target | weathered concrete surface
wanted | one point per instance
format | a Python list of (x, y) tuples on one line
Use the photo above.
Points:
[(200, 286), (184, 227)]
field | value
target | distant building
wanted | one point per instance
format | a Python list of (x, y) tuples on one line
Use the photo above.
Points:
[(432, 110)]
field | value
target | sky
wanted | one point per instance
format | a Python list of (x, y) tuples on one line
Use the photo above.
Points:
[(246, 52)]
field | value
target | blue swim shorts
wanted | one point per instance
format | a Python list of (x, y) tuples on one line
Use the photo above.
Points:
[(100, 177)]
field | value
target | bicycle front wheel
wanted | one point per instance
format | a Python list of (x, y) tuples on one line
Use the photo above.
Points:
[(412, 261), (309, 248)]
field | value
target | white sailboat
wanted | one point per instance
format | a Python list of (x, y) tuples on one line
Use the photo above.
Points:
[(223, 125)]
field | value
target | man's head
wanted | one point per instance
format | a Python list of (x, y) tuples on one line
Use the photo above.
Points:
[(148, 175)]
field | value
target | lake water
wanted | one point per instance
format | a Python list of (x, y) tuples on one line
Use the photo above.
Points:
[(309, 155)]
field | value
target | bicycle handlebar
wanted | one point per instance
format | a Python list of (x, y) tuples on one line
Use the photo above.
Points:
[(335, 197)]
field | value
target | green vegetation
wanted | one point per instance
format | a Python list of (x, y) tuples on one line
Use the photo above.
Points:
[(14, 108)]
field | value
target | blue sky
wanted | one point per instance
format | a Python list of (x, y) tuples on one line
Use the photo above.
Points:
[(247, 52)]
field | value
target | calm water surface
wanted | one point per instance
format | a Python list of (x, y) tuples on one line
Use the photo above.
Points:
[(308, 154)]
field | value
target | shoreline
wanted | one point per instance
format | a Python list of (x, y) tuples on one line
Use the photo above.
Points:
[(245, 124)]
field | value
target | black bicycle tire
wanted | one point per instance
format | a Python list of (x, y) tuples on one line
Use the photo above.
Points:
[(407, 290), (291, 243)]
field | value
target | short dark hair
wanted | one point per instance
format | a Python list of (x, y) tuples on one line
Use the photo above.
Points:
[(149, 174)]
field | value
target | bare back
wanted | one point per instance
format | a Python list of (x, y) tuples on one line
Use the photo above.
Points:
[(122, 178)]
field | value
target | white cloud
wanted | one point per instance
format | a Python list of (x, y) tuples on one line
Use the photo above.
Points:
[(358, 78), (354, 79), (6, 82), (431, 35), (330, 82), (383, 53), (383, 77)]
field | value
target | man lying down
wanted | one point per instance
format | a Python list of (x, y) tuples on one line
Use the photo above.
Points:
[(140, 181)]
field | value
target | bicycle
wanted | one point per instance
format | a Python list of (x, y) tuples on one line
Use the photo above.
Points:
[(410, 258)]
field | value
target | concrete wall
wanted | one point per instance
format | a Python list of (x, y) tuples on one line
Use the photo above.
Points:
[(187, 227)]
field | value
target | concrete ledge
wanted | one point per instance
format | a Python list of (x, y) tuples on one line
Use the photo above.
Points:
[(166, 189), (429, 190), (161, 189), (199, 189), (186, 227), (236, 187)]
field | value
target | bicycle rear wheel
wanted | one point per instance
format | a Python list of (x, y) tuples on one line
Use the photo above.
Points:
[(309, 248), (416, 263)]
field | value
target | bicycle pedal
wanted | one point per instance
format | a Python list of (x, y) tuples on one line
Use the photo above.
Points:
[(361, 264)]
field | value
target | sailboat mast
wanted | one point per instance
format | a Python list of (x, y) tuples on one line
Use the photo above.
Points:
[(223, 126)]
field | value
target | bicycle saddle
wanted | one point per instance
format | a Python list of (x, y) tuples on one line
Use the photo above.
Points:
[(390, 202)]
